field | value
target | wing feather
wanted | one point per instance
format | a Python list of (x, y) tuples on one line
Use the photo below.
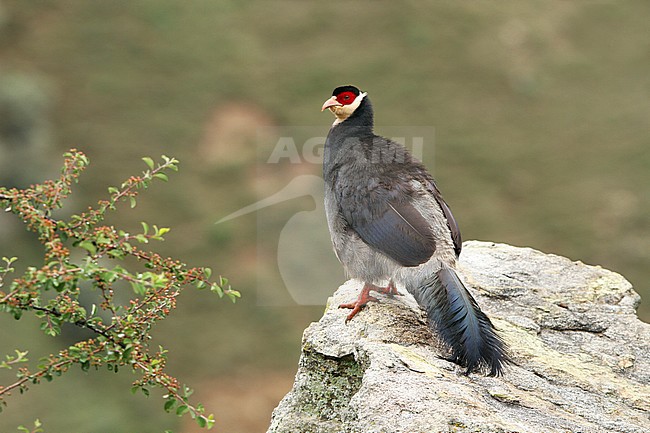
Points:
[(399, 231)]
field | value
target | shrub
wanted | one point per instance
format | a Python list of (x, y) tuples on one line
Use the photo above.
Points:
[(121, 331)]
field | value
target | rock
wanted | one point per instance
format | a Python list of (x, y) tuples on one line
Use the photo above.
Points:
[(582, 357)]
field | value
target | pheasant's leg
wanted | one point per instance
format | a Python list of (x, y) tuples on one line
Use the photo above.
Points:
[(389, 290), (364, 298)]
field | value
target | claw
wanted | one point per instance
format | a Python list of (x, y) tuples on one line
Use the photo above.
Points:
[(358, 305), (365, 297), (389, 290)]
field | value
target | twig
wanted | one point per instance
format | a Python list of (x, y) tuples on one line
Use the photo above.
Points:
[(8, 388), (81, 323), (8, 296)]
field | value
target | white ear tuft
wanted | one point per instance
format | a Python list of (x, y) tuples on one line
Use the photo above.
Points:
[(345, 111)]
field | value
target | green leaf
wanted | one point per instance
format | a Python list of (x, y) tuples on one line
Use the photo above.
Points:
[(211, 421), (161, 176), (138, 288), (216, 289), (88, 246), (133, 202), (182, 409), (145, 227), (103, 240), (207, 272), (169, 404), (233, 295), (149, 162), (117, 254)]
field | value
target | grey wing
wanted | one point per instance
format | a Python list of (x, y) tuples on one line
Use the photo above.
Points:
[(394, 227)]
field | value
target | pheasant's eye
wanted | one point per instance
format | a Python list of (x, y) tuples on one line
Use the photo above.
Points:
[(346, 98)]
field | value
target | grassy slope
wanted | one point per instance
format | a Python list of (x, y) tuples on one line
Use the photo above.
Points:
[(540, 109)]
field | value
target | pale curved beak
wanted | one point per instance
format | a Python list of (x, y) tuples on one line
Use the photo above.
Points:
[(331, 102)]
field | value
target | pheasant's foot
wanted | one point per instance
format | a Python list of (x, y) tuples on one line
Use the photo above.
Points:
[(365, 297)]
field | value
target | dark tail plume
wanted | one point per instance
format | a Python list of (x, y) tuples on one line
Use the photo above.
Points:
[(453, 312)]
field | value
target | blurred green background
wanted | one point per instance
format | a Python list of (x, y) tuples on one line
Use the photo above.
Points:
[(541, 112)]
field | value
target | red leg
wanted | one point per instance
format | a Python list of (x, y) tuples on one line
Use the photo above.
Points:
[(364, 298), (390, 289)]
